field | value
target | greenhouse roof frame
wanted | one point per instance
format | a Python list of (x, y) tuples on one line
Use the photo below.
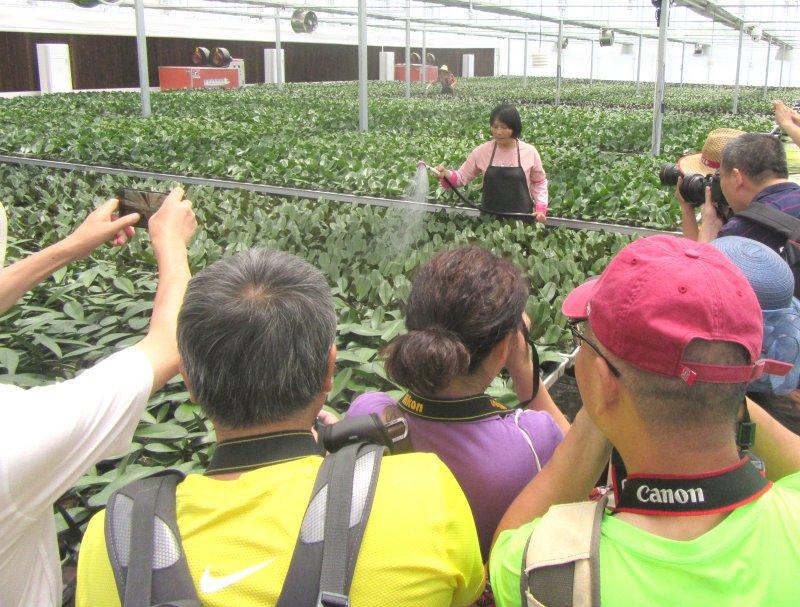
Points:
[(380, 16), (710, 10), (497, 9)]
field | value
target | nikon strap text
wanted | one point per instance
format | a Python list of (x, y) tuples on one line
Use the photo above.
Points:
[(452, 409), (690, 495), (251, 452)]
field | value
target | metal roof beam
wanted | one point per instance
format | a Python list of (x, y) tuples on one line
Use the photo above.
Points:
[(712, 11), (489, 7)]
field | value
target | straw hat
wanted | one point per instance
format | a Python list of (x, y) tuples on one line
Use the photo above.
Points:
[(444, 68), (709, 159)]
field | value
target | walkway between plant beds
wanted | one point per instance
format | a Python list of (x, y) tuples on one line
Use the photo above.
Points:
[(553, 222)]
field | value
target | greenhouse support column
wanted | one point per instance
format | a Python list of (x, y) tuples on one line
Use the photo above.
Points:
[(141, 49), (408, 49), (363, 118), (525, 64), (558, 61), (591, 61), (738, 69), (780, 75), (424, 58), (766, 70), (639, 67), (508, 58), (278, 62), (658, 100), (683, 56)]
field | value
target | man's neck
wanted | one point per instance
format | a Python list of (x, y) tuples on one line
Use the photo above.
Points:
[(768, 183), (224, 434), (677, 460)]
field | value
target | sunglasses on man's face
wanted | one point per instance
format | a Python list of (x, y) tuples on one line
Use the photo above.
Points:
[(578, 337)]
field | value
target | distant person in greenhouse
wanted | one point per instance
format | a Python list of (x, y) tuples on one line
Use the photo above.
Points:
[(752, 169), (447, 81), (466, 321), (256, 337), (773, 283), (53, 434), (514, 180), (670, 337)]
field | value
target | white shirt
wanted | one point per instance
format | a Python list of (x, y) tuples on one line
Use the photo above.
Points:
[(49, 436)]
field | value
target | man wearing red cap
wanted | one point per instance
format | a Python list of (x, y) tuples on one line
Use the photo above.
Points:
[(672, 334)]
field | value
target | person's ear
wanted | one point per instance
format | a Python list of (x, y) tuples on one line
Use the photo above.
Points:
[(186, 382), (609, 384), (502, 348), (738, 177), (330, 367)]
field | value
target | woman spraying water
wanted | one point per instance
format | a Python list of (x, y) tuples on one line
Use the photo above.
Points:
[(514, 180)]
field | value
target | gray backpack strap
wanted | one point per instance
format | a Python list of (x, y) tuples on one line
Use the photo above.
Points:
[(561, 564), (144, 544), (325, 555), (770, 217)]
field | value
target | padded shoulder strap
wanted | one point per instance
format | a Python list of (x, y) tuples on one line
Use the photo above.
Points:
[(325, 555), (144, 544), (772, 218), (561, 564)]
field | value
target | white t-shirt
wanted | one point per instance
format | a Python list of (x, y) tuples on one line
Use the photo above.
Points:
[(49, 436)]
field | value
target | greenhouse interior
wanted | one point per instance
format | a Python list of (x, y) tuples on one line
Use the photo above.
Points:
[(504, 292)]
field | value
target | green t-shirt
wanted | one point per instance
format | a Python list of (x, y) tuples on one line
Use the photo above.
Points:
[(750, 558)]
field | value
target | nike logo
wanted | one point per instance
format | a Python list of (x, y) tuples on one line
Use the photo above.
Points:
[(210, 583)]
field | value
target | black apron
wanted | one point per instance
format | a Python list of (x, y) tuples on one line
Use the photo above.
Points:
[(505, 189)]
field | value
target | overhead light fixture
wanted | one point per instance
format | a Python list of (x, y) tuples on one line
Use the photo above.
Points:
[(606, 37), (698, 50), (626, 48)]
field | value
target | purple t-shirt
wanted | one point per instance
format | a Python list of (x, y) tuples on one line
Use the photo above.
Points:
[(491, 458)]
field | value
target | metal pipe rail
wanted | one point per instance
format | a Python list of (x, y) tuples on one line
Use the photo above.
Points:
[(259, 188), (567, 361)]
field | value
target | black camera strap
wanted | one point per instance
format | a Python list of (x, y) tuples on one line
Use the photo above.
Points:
[(470, 408), (711, 492), (251, 452)]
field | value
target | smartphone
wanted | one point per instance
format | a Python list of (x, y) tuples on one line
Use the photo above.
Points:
[(139, 201)]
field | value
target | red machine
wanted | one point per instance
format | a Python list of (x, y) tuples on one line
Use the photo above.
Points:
[(431, 71), (199, 77)]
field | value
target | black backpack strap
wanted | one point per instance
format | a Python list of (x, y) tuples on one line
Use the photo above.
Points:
[(770, 217), (144, 544), (325, 555)]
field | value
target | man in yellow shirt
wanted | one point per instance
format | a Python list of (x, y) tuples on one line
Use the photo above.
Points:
[(256, 335)]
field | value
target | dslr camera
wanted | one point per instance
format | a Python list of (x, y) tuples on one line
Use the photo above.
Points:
[(693, 188)]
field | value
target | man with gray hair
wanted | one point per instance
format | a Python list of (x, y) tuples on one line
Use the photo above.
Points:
[(256, 338), (752, 168)]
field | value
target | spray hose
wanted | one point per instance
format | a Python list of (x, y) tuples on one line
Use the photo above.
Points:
[(461, 197)]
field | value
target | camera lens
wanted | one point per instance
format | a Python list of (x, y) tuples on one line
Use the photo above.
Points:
[(693, 189), (669, 174)]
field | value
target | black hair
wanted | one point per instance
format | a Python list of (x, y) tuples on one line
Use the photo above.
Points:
[(508, 115), (758, 156), (463, 303), (254, 334)]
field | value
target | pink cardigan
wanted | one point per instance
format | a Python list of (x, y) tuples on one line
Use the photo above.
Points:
[(478, 161)]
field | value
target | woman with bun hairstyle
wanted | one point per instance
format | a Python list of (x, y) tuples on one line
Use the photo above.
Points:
[(466, 321)]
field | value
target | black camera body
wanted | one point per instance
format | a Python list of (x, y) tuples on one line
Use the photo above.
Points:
[(693, 188)]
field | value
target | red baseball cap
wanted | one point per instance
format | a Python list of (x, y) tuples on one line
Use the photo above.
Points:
[(660, 293)]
